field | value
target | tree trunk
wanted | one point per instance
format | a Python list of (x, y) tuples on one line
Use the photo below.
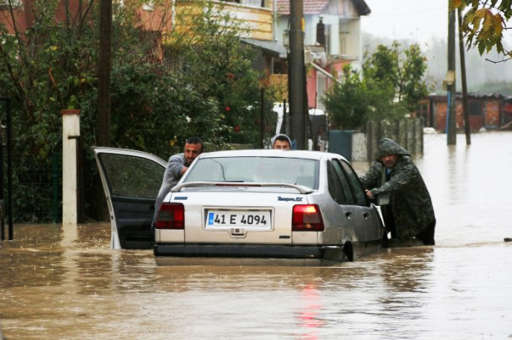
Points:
[(104, 103), (104, 69)]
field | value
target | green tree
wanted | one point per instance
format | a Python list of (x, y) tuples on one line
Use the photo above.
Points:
[(214, 62), (347, 102), (412, 87), (155, 105), (389, 86), (401, 69), (45, 69)]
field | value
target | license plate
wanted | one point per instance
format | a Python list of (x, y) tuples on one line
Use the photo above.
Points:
[(247, 219)]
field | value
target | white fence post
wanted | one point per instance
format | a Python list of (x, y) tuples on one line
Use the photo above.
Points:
[(70, 135)]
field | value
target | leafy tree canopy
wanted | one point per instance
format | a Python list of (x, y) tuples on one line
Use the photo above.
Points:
[(485, 22), (207, 88), (210, 58), (389, 86)]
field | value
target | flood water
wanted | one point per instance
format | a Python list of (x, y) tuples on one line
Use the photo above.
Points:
[(55, 285)]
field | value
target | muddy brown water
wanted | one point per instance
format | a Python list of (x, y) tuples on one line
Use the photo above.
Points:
[(59, 286)]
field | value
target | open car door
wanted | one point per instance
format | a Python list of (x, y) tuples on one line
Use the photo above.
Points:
[(131, 180)]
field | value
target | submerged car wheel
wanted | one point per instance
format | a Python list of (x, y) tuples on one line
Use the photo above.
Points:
[(348, 250)]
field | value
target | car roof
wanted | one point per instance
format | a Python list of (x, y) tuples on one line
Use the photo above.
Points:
[(271, 153)]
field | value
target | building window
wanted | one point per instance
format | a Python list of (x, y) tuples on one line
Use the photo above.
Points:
[(475, 108), (344, 36), (348, 35), (254, 3), (423, 110), (4, 4), (286, 38), (148, 6), (321, 88), (328, 39)]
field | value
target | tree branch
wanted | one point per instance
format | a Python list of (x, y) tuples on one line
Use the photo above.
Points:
[(84, 16), (14, 79), (16, 31), (498, 61)]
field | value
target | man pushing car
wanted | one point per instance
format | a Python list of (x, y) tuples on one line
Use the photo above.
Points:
[(178, 164), (396, 183)]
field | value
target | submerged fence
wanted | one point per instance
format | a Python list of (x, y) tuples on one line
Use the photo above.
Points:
[(362, 145), (407, 132)]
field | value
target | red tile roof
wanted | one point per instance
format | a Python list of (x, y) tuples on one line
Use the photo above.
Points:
[(310, 6), (317, 6)]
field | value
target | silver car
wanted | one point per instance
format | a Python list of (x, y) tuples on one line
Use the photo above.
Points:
[(242, 204)]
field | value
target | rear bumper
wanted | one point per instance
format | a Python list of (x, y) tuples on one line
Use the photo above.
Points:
[(237, 250)]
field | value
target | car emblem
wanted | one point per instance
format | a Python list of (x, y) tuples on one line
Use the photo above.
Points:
[(289, 199)]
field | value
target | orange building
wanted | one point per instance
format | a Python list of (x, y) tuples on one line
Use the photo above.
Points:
[(22, 16), (490, 111)]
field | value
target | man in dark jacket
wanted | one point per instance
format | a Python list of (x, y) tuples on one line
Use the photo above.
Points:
[(396, 183)]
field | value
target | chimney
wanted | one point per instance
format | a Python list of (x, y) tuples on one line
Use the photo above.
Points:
[(320, 33)]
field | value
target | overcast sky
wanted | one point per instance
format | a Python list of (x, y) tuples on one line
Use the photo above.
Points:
[(407, 19), (417, 20)]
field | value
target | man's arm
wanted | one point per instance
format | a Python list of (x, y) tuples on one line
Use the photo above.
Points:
[(371, 178), (175, 169), (172, 173), (402, 177)]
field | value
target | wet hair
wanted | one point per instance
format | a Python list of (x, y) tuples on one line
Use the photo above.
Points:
[(194, 140), (283, 138)]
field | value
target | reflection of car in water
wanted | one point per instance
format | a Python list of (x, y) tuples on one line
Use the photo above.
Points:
[(246, 203)]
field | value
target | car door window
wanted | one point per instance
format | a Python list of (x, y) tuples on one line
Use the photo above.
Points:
[(355, 185), (130, 176), (334, 184), (345, 185)]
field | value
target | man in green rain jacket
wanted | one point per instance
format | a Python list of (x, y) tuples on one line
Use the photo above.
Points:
[(396, 183)]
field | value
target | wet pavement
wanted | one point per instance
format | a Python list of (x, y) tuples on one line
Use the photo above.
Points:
[(60, 285)]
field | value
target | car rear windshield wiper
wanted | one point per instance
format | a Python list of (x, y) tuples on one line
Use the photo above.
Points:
[(300, 188)]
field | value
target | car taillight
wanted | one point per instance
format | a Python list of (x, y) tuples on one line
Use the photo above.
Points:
[(307, 217), (171, 216)]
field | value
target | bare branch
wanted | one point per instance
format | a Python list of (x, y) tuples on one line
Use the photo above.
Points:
[(498, 61), (84, 16)]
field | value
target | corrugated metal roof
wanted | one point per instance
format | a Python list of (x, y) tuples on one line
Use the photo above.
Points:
[(271, 46), (317, 6)]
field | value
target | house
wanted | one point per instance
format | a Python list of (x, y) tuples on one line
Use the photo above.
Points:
[(254, 17), (490, 111), (332, 34), (332, 39), (23, 13)]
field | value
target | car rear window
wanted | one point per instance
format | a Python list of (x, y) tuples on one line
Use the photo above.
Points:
[(298, 171)]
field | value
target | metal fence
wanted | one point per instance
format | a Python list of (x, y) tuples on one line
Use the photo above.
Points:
[(37, 190), (408, 132), (362, 145)]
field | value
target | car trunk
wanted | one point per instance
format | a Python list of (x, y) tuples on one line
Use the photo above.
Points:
[(260, 218)]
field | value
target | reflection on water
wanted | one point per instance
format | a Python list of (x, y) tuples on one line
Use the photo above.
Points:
[(53, 287)]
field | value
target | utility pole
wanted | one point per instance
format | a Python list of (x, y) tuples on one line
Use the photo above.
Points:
[(104, 68), (296, 75), (465, 108), (450, 78), (8, 141), (104, 100)]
